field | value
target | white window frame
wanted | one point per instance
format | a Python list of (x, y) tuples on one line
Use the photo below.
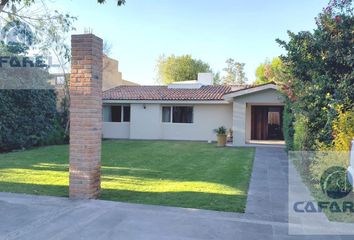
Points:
[(121, 112)]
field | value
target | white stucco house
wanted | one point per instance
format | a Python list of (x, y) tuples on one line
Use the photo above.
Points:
[(191, 110)]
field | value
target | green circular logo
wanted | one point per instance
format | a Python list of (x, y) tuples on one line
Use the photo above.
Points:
[(334, 183)]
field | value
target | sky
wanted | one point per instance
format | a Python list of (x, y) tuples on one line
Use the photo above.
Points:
[(213, 31)]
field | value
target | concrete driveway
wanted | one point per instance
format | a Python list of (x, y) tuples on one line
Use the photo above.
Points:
[(40, 217)]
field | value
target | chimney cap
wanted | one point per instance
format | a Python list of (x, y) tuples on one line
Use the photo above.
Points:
[(205, 78)]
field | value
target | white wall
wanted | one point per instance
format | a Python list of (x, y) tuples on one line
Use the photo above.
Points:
[(119, 130), (146, 123), (242, 112), (206, 117)]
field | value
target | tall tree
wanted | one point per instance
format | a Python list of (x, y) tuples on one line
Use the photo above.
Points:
[(217, 79), (320, 64), (235, 73), (179, 68), (269, 71)]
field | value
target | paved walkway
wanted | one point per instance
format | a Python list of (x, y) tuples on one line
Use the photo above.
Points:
[(40, 217), (268, 191)]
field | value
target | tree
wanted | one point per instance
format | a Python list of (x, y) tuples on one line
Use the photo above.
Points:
[(29, 2), (44, 33), (28, 106), (48, 31), (321, 72), (269, 71), (179, 68), (234, 73), (217, 79)]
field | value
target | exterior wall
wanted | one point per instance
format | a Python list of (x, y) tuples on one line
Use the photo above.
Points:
[(205, 119), (242, 112), (117, 130), (111, 75), (146, 123)]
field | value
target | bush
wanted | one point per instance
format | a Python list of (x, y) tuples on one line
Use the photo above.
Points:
[(288, 128), (320, 68), (343, 129), (28, 118), (300, 132), (325, 160), (343, 133), (57, 136)]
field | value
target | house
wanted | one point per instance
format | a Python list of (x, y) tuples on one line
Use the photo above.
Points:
[(191, 110), (111, 77)]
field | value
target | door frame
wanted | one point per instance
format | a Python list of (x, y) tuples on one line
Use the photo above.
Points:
[(249, 116)]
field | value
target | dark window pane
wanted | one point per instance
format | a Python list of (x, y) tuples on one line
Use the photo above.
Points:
[(166, 114), (182, 114), (126, 114), (116, 113)]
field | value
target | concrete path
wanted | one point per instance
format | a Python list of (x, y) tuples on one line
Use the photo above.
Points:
[(268, 191), (40, 217)]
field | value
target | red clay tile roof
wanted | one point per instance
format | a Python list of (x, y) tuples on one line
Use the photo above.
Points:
[(204, 93)]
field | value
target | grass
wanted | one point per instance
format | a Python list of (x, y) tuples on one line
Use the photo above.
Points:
[(316, 191), (171, 173)]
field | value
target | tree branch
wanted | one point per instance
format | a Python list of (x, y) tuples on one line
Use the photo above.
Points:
[(2, 4)]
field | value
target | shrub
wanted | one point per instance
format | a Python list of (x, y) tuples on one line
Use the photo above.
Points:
[(343, 133), (288, 128), (343, 129), (300, 132), (27, 118), (325, 160), (320, 68)]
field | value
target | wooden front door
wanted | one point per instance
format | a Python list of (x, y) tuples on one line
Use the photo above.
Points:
[(266, 123)]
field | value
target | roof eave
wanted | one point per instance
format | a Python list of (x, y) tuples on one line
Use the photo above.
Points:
[(121, 101), (230, 96)]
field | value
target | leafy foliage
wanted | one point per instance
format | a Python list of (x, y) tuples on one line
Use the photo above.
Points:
[(320, 66), (235, 73), (28, 109), (27, 117), (28, 2), (180, 68), (343, 129), (300, 132), (288, 126), (119, 2), (220, 130), (269, 71)]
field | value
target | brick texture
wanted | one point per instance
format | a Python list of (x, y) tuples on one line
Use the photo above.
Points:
[(85, 116)]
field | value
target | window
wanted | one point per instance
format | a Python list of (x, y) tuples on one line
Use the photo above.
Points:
[(182, 115), (177, 114), (116, 113), (166, 114), (126, 114)]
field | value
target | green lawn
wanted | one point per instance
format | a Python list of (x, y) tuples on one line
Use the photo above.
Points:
[(173, 173)]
